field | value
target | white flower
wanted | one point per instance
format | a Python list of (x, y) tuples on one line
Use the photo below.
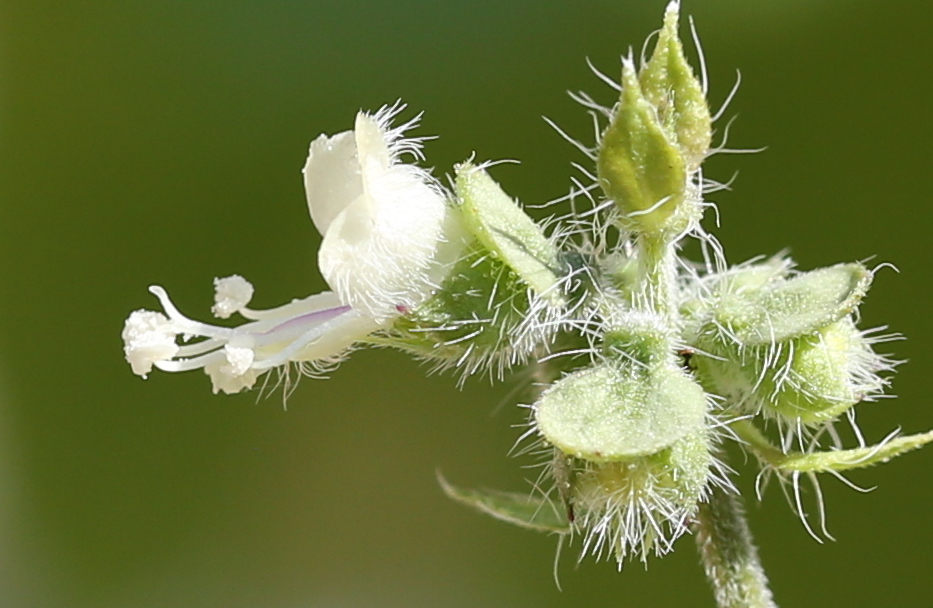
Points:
[(383, 252)]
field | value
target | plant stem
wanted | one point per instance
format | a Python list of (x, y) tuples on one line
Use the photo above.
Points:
[(657, 259), (728, 554), (757, 442)]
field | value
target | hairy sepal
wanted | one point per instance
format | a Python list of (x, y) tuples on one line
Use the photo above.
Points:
[(750, 313), (484, 316), (617, 410), (507, 232)]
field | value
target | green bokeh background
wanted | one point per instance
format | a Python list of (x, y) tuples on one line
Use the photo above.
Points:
[(161, 142)]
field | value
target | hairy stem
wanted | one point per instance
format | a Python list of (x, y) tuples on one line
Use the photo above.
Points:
[(757, 442), (657, 259), (729, 556)]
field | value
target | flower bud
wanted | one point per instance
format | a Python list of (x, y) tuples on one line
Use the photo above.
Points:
[(787, 346), (811, 379), (638, 165), (669, 84)]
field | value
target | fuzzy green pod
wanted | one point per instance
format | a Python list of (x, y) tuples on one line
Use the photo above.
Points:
[(828, 373), (810, 379), (640, 505)]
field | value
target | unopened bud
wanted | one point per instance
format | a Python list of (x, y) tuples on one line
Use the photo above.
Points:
[(639, 167), (669, 84)]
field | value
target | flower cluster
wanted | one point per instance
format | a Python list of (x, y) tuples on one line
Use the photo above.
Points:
[(647, 365)]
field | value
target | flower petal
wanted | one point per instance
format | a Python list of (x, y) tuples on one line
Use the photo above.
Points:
[(332, 177), (378, 251)]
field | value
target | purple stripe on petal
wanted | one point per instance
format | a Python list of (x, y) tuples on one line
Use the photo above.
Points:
[(312, 318)]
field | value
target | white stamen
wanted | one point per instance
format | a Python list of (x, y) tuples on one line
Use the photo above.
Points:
[(231, 295)]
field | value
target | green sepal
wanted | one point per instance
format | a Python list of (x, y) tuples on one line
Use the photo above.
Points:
[(482, 316), (524, 510), (664, 487), (506, 231), (639, 167), (669, 84), (857, 458), (620, 409), (811, 379), (782, 309)]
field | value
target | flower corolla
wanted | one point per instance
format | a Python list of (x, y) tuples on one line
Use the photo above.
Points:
[(384, 225)]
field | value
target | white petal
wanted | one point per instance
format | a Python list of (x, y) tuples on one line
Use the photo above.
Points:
[(378, 252), (341, 334), (332, 177), (326, 341), (372, 144)]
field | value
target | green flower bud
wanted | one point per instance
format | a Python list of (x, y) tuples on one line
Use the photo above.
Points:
[(786, 346), (669, 84), (638, 165)]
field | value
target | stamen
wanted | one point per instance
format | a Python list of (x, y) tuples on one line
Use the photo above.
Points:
[(183, 324)]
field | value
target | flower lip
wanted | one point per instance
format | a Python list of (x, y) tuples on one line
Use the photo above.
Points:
[(332, 177), (382, 220)]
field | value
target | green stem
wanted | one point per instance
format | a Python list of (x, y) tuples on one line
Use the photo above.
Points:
[(657, 258), (729, 556), (759, 444)]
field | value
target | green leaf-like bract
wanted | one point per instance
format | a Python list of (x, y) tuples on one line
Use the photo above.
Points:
[(528, 511)]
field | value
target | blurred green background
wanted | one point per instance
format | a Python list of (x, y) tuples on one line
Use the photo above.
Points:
[(161, 142)]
